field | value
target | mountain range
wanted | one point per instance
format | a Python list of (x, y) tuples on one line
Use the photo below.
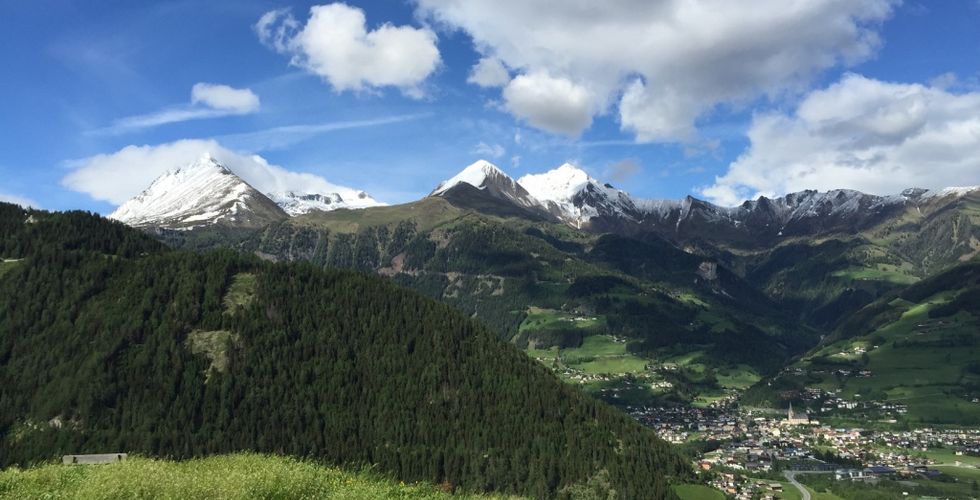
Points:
[(206, 192), (735, 291), (639, 303)]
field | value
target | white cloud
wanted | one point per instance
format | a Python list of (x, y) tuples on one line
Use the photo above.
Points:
[(208, 100), (18, 200), (489, 72), (556, 105), (859, 133), (275, 29), (657, 117), (664, 64), (224, 98), (336, 45), (118, 176), (489, 150)]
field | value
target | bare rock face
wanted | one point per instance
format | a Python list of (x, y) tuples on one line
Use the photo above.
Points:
[(708, 270)]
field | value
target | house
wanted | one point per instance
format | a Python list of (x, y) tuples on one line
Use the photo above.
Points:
[(850, 474), (879, 470)]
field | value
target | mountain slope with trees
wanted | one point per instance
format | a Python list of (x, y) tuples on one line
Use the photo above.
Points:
[(115, 343)]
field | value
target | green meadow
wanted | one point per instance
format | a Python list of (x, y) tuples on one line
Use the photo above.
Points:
[(917, 360), (598, 355), (242, 475)]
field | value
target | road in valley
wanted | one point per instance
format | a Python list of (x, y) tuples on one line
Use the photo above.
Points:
[(791, 476)]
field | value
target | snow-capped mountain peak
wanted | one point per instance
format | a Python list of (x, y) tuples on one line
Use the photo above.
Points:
[(201, 193), (490, 182), (478, 174), (559, 185), (576, 197)]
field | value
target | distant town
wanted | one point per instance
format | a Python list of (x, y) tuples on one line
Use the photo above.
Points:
[(742, 450)]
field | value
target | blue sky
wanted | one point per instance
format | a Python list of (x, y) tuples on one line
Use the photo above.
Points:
[(715, 105)]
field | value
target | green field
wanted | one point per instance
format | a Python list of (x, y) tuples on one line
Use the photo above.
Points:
[(946, 456), (881, 272), (541, 319), (241, 475), (739, 377), (601, 354), (630, 379), (961, 473)]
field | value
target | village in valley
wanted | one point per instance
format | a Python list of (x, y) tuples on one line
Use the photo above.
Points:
[(746, 453), (846, 428), (752, 452)]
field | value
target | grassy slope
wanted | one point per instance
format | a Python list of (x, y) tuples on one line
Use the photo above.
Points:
[(915, 359), (920, 377), (242, 475), (824, 278), (633, 376)]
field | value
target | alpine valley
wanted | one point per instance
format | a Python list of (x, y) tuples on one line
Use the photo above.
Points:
[(639, 302), (505, 335)]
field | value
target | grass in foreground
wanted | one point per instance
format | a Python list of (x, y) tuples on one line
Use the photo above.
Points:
[(243, 475)]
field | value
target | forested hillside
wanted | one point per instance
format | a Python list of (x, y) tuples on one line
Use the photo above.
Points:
[(556, 292), (823, 277), (497, 268), (112, 343), (916, 347)]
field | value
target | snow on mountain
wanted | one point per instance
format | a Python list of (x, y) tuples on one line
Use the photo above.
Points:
[(302, 203), (476, 175), (199, 194), (800, 213), (571, 195), (656, 206), (577, 197), (833, 203), (487, 177), (952, 191), (205, 192), (559, 185)]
